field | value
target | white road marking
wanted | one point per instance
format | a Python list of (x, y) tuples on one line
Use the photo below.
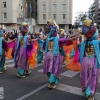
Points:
[(74, 90), (9, 61), (32, 92), (41, 70), (10, 65), (61, 87), (39, 65), (69, 73)]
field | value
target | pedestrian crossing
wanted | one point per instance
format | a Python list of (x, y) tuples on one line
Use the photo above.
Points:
[(74, 90), (10, 63), (68, 73), (61, 87)]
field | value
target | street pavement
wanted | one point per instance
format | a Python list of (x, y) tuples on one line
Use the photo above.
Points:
[(34, 86)]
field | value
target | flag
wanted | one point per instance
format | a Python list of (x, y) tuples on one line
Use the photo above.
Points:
[(30, 7), (26, 7)]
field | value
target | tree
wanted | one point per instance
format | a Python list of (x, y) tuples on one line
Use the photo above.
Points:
[(78, 18)]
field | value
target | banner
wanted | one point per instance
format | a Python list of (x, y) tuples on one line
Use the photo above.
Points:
[(30, 7)]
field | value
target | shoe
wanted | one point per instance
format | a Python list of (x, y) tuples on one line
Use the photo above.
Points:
[(91, 98), (5, 69), (54, 86), (20, 76), (49, 86), (27, 72), (1, 71)]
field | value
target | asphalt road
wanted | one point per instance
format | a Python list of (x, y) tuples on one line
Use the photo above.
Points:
[(34, 86)]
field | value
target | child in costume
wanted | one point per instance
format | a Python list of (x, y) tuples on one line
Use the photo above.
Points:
[(24, 52), (40, 46), (53, 59), (90, 59)]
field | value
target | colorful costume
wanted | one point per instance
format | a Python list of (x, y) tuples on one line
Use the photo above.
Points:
[(74, 63), (3, 48), (53, 58), (24, 53), (40, 48), (90, 59)]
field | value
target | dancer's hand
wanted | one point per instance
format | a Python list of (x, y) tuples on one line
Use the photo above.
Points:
[(15, 39)]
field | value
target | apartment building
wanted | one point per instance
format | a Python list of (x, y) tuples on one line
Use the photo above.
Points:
[(36, 12), (10, 10), (92, 11), (12, 14), (97, 13), (59, 10)]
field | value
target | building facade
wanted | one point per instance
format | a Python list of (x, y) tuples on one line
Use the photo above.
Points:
[(10, 10), (16, 11), (92, 10), (58, 10), (42, 10)]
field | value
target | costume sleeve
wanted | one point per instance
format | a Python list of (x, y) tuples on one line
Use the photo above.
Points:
[(65, 41)]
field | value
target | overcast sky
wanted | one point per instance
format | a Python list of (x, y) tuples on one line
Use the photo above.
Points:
[(81, 5)]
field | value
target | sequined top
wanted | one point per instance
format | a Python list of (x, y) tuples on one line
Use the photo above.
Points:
[(50, 45), (22, 42), (89, 51)]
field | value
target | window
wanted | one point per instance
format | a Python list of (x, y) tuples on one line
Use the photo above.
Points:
[(19, 15), (44, 6), (5, 15), (64, 16), (54, 16), (99, 1), (4, 4), (44, 16), (19, 6), (54, 6), (64, 6)]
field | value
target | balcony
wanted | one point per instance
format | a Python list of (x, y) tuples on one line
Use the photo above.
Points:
[(98, 21), (98, 12), (98, 17)]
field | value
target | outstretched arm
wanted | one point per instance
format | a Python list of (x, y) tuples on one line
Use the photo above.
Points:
[(66, 41), (43, 38), (10, 40)]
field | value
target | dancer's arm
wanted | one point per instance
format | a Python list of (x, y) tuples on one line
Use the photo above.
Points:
[(10, 40)]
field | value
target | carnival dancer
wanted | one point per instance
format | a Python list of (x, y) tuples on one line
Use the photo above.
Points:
[(3, 48), (90, 59), (53, 59), (25, 54), (62, 34), (40, 46), (74, 63)]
